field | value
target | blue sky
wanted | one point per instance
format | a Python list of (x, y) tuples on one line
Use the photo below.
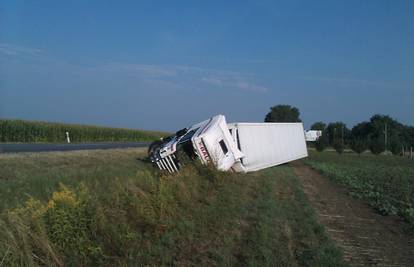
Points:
[(165, 64)]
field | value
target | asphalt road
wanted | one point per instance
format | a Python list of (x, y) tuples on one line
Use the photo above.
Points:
[(15, 148)]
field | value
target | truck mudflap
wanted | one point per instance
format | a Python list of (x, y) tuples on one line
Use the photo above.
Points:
[(169, 163)]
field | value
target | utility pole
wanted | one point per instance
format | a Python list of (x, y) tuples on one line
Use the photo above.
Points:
[(342, 134), (385, 137)]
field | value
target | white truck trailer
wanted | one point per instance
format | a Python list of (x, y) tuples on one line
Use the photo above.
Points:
[(312, 135), (240, 147)]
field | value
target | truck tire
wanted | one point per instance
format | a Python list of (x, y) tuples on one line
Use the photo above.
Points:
[(153, 147)]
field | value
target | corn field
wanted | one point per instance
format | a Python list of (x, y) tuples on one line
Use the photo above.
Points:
[(20, 131)]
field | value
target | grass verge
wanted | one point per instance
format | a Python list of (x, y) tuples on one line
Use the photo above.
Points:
[(109, 208)]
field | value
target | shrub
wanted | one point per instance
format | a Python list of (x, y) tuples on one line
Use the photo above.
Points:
[(50, 233), (338, 146), (69, 226), (395, 146), (377, 146), (359, 145), (321, 143)]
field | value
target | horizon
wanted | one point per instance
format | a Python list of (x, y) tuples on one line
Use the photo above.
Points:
[(163, 66), (109, 126)]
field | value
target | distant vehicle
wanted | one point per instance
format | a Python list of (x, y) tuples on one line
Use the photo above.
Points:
[(239, 147), (312, 135)]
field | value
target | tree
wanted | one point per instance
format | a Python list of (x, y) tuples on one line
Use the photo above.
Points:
[(384, 130), (394, 146), (321, 143), (338, 146), (407, 136), (318, 126), (283, 113), (337, 131), (362, 130), (377, 145), (359, 145)]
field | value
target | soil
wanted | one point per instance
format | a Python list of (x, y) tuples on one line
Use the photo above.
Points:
[(366, 237)]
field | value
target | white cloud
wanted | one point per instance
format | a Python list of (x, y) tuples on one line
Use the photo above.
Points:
[(213, 81), (232, 82), (188, 76), (14, 50), (166, 77), (141, 69)]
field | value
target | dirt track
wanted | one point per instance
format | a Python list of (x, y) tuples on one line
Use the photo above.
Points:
[(367, 238)]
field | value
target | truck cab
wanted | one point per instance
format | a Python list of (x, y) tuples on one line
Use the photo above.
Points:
[(209, 140), (214, 143)]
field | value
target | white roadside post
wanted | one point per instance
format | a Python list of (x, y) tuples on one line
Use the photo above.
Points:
[(67, 137)]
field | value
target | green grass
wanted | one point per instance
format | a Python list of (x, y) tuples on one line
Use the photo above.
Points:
[(21, 131), (112, 208), (38, 175), (386, 182)]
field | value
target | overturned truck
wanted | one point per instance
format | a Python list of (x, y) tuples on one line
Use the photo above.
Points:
[(239, 147)]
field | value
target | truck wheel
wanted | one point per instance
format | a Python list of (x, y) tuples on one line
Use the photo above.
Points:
[(153, 147)]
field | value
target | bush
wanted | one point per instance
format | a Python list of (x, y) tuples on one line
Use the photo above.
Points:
[(395, 147), (321, 143), (68, 225), (338, 146), (60, 230), (377, 146), (359, 145)]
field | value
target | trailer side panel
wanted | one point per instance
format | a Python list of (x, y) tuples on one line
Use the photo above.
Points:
[(269, 144)]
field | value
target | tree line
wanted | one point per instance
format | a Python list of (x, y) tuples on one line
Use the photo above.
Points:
[(20, 131), (381, 133)]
